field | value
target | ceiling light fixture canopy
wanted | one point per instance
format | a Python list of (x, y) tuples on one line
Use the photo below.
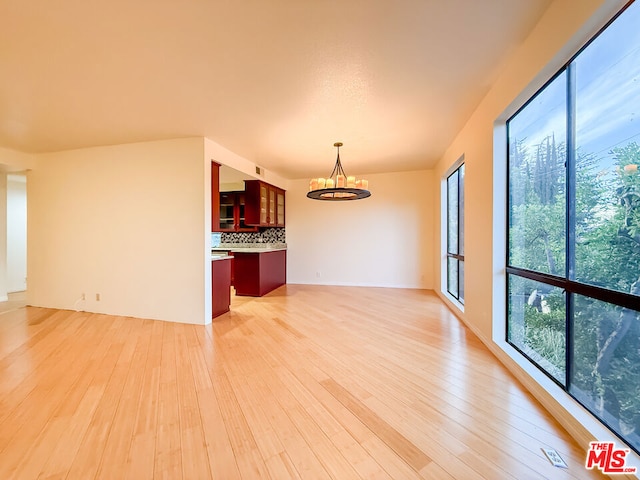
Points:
[(338, 186)]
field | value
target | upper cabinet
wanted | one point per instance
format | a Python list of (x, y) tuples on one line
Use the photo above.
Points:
[(215, 196), (280, 208), (265, 204), (232, 213)]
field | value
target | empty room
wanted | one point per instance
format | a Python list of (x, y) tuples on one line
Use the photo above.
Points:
[(319, 239)]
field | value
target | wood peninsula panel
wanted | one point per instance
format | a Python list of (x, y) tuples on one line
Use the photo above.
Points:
[(257, 273), (220, 286)]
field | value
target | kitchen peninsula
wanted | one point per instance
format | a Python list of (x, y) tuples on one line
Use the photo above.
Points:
[(220, 283), (258, 268)]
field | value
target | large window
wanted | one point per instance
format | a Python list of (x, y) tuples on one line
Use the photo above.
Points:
[(455, 234), (573, 259)]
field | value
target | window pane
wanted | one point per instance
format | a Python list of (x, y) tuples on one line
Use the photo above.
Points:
[(461, 210), (604, 81), (608, 155), (452, 276), (537, 155), (536, 323), (606, 364), (461, 282), (452, 213)]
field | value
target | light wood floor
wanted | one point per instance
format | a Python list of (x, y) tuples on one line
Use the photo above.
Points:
[(16, 300), (307, 382)]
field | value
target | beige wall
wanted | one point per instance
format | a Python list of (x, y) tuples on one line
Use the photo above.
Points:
[(385, 240), (563, 29), (219, 154), (127, 222), (16, 232), (4, 287), (10, 161)]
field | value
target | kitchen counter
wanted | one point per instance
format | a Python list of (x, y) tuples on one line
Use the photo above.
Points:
[(220, 257), (249, 247)]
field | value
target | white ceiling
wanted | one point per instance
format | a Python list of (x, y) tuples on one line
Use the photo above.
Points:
[(275, 81)]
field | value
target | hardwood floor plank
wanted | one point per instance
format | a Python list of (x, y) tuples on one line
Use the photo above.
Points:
[(112, 378), (168, 458), (281, 467), (403, 447), (248, 458), (142, 451), (34, 414), (221, 457), (195, 458), (305, 382), (241, 368), (81, 412), (362, 461), (118, 443)]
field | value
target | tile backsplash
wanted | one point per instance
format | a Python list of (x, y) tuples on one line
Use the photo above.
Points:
[(267, 235)]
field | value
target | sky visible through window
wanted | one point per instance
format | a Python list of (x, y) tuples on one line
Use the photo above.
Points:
[(608, 106), (574, 227)]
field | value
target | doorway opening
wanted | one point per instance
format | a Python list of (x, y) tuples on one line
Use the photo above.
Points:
[(13, 292)]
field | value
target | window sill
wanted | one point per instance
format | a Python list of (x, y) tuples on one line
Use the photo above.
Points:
[(452, 301)]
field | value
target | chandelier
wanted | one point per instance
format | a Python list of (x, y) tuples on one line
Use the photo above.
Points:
[(338, 186)]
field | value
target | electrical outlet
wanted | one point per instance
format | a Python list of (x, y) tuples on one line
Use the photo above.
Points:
[(318, 274), (97, 297)]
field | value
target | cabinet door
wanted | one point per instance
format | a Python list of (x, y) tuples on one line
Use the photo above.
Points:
[(241, 223), (264, 204), (271, 218), (261, 206), (215, 196), (227, 212), (252, 202), (280, 208)]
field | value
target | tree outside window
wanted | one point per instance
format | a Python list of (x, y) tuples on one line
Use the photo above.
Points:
[(455, 234), (573, 259)]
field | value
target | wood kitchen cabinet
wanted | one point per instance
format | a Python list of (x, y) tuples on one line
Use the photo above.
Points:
[(232, 213), (279, 207), (256, 274), (265, 204), (215, 196), (220, 286)]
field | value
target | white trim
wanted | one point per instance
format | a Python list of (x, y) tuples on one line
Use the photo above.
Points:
[(444, 208), (454, 166), (499, 240)]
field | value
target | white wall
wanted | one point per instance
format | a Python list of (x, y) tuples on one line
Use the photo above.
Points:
[(385, 240), (3, 237), (10, 161), (127, 222), (565, 26), (217, 153), (13, 161), (16, 232)]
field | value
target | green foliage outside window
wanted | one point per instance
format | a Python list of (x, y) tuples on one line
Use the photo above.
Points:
[(605, 373)]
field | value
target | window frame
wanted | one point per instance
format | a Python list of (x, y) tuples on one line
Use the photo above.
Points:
[(456, 169), (566, 282)]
